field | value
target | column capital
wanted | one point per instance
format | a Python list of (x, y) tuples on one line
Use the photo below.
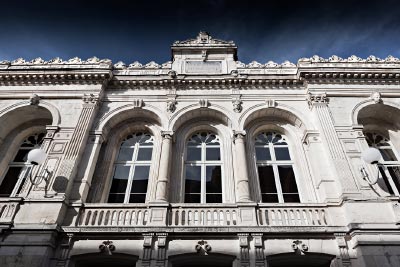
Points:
[(51, 130), (314, 99), (91, 99), (239, 134), (167, 134)]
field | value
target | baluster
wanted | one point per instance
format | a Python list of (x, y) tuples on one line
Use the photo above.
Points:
[(186, 218), (180, 219), (139, 217), (323, 216), (145, 217), (264, 217), (88, 214), (107, 218), (234, 218)]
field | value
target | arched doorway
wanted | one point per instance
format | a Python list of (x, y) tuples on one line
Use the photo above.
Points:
[(295, 260), (99, 260), (195, 260)]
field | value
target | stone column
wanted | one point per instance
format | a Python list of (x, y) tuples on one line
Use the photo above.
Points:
[(241, 172), (163, 173), (319, 103)]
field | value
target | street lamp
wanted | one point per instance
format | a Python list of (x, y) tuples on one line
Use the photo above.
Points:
[(37, 157), (371, 156)]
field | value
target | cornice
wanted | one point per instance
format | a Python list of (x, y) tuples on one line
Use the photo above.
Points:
[(208, 83), (312, 70), (34, 77), (350, 76)]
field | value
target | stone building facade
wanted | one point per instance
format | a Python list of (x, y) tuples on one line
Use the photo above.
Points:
[(200, 161)]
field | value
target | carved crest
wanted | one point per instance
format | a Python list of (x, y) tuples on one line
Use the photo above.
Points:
[(203, 103), (107, 247), (299, 247), (376, 97), (237, 105), (34, 100), (203, 247), (171, 105), (138, 103)]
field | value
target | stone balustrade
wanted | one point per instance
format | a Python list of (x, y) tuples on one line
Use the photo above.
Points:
[(292, 216), (200, 215), (113, 215), (8, 209)]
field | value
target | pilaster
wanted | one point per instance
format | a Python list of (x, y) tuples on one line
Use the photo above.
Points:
[(79, 137), (86, 168), (244, 249), (319, 104)]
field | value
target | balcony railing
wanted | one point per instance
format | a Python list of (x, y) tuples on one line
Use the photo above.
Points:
[(106, 215), (198, 215), (8, 210), (292, 216)]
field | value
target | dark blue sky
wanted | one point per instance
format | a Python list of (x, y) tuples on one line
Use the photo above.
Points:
[(144, 30)]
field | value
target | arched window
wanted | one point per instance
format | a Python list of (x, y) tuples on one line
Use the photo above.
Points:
[(390, 168), (203, 169), (275, 168), (18, 169), (131, 169)]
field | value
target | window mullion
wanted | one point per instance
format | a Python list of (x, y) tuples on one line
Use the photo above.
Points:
[(132, 166)]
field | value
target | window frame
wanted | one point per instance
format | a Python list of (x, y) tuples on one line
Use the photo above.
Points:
[(203, 163), (274, 163), (384, 165), (132, 168), (25, 167)]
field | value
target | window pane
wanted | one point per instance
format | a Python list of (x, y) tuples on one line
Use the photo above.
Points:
[(22, 155), (387, 154), (395, 174), (262, 153), (9, 181), (116, 198), (125, 154), (137, 198), (121, 172), (193, 179), (144, 153), (291, 198), (386, 180), (141, 172), (25, 172), (269, 198), (213, 198), (288, 182), (267, 181), (213, 153), (282, 153), (213, 179), (193, 153), (120, 179), (140, 179), (192, 198)]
